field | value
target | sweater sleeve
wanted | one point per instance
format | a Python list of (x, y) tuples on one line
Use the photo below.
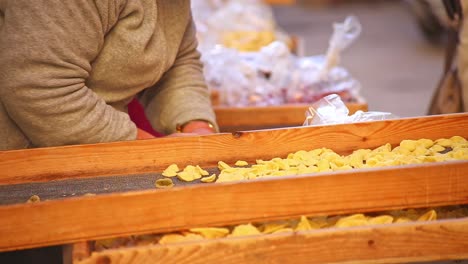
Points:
[(46, 50), (181, 95)]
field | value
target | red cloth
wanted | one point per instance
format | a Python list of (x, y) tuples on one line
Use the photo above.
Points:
[(138, 116)]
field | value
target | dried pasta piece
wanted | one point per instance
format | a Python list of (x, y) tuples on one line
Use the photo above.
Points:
[(171, 238), (437, 148), (402, 220), (201, 171), (34, 199), (408, 144), (381, 219), (208, 179), (222, 165), (353, 220), (228, 177), (171, 171), (304, 225), (185, 176), (427, 143), (241, 163), (323, 165), (283, 230), (188, 236), (429, 216), (420, 150), (244, 230), (270, 228), (211, 232), (190, 173), (458, 139), (444, 142), (319, 221), (164, 183)]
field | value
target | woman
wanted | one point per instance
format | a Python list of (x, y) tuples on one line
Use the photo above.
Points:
[(68, 70)]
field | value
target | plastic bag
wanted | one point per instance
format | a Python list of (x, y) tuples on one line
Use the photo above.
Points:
[(248, 79), (320, 75), (274, 76), (332, 110), (344, 34)]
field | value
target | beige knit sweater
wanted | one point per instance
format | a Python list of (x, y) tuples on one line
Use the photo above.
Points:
[(68, 69)]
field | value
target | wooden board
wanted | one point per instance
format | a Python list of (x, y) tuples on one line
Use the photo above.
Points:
[(84, 218), (397, 243), (46, 164), (250, 118), (281, 2), (121, 214)]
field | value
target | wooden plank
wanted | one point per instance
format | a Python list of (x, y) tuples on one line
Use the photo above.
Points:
[(130, 157), (121, 214), (281, 2), (250, 118), (396, 243)]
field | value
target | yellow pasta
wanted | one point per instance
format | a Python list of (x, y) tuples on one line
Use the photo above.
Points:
[(241, 163), (211, 232), (164, 183), (171, 171), (244, 230), (208, 179)]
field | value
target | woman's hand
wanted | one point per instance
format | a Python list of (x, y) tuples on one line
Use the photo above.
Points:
[(141, 134), (198, 127), (194, 128)]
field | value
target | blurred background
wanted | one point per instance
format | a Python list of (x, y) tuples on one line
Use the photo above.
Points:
[(398, 58)]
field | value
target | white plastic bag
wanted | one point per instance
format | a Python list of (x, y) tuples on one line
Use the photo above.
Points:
[(332, 110), (344, 34)]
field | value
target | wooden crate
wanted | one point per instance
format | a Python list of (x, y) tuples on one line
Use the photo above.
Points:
[(232, 119), (71, 220)]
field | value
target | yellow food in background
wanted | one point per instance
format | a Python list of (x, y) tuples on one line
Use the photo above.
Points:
[(248, 41)]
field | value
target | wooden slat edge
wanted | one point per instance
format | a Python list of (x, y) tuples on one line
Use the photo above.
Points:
[(396, 243), (269, 116), (85, 218), (46, 164)]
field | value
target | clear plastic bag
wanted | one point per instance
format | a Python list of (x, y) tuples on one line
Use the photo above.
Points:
[(332, 110), (274, 76), (319, 76)]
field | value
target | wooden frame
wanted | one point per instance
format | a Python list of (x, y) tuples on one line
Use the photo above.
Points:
[(251, 118), (396, 243), (119, 214), (281, 2)]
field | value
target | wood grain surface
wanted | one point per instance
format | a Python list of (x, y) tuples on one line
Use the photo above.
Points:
[(250, 118), (142, 156), (120, 214), (396, 243), (281, 2)]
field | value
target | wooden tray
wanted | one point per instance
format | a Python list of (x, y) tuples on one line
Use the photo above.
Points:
[(251, 118), (70, 220), (394, 243)]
